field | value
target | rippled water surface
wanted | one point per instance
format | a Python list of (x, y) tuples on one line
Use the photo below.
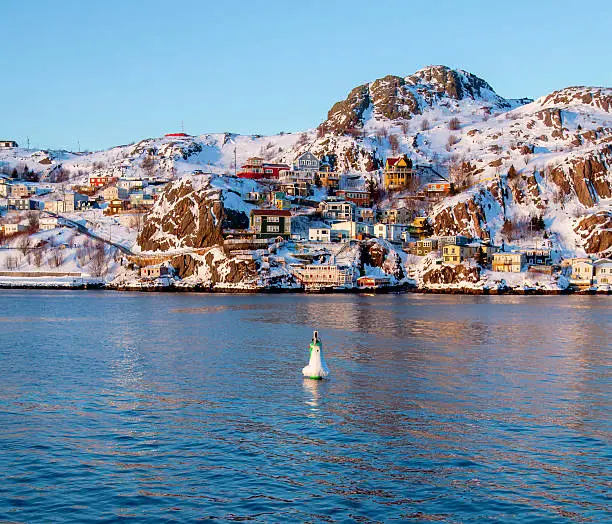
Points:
[(162, 407)]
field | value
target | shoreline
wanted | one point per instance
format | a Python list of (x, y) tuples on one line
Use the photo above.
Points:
[(280, 291)]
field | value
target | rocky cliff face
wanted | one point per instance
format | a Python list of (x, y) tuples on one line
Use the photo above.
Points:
[(401, 98), (189, 214), (214, 268), (449, 275), (374, 254), (595, 231)]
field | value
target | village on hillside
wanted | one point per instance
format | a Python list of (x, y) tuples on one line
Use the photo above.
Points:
[(300, 226)]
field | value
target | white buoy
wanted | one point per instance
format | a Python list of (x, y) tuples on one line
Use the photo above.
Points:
[(316, 368)]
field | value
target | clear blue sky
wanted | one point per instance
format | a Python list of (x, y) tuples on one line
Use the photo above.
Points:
[(109, 72)]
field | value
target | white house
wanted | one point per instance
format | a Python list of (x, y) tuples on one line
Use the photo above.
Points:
[(337, 210), (603, 271), (7, 144), (582, 271), (47, 223), (66, 204), (353, 228), (132, 183), (12, 229), (115, 193), (319, 234), (390, 232), (319, 276)]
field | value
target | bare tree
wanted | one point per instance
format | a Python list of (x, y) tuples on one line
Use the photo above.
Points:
[(98, 260), (24, 244), (452, 140), (148, 165), (33, 220), (137, 221), (57, 257), (425, 125), (454, 124), (394, 143), (460, 174), (38, 257), (60, 174)]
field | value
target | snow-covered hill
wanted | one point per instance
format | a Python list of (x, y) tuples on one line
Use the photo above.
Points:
[(556, 149)]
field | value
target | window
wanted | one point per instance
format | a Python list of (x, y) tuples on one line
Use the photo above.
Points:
[(273, 219), (272, 229)]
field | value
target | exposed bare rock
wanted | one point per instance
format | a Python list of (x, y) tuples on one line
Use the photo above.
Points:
[(446, 274), (463, 218), (214, 267), (376, 255), (596, 232), (189, 213), (587, 176), (392, 100), (597, 97), (348, 113)]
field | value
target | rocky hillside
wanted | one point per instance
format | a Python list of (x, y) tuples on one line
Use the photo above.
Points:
[(189, 214), (513, 159)]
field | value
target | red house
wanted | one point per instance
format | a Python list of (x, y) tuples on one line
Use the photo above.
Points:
[(273, 170), (253, 168), (437, 188), (177, 135), (256, 169), (361, 198), (101, 181)]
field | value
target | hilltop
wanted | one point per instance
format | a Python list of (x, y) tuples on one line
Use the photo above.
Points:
[(510, 160)]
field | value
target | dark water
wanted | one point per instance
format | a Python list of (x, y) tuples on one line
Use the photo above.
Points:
[(163, 407)]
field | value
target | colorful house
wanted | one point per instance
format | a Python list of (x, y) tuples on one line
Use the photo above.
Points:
[(419, 228), (359, 197), (426, 246), (398, 173), (583, 271), (101, 181), (455, 254), (437, 189), (368, 282), (508, 262), (270, 223)]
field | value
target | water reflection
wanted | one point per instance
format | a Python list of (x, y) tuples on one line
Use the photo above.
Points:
[(311, 388), (439, 408)]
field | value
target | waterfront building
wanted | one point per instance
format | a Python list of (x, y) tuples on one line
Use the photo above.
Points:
[(270, 223), (508, 262)]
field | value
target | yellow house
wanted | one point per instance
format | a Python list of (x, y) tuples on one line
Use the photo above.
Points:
[(508, 262), (419, 228), (583, 271), (398, 173), (454, 254)]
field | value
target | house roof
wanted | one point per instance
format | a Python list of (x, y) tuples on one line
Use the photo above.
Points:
[(393, 160), (275, 165), (271, 212)]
